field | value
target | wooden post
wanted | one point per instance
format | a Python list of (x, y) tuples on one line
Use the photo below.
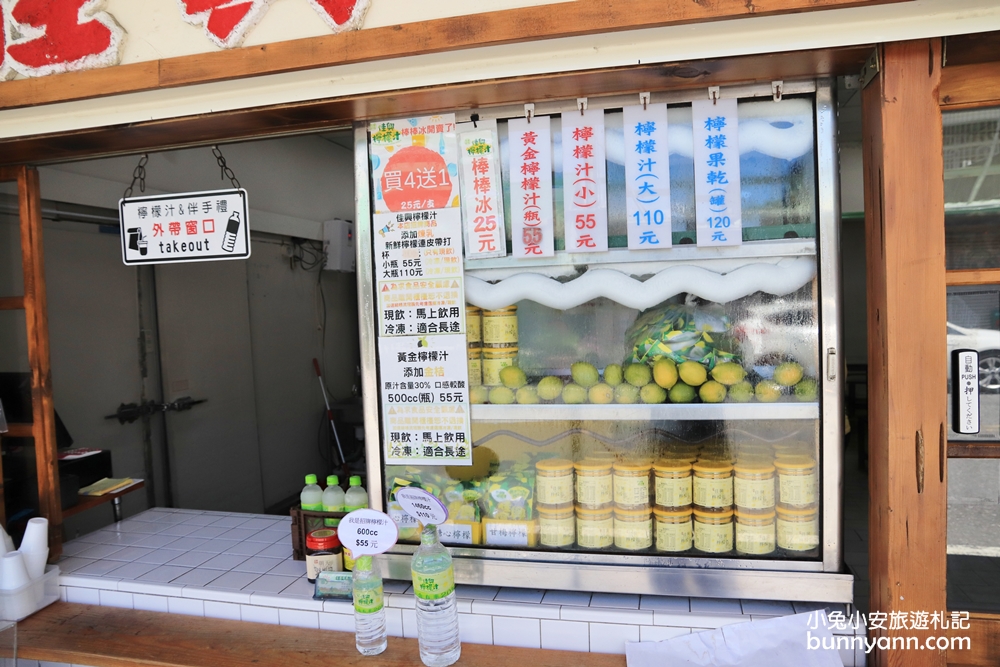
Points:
[(907, 352), (43, 428)]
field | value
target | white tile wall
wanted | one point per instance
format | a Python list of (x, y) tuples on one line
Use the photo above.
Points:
[(240, 567)]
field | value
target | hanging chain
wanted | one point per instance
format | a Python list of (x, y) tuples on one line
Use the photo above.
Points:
[(225, 171), (138, 174)]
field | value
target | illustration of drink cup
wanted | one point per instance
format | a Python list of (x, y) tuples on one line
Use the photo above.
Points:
[(232, 227), (143, 247), (136, 241)]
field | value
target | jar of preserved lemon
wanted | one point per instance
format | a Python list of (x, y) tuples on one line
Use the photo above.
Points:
[(713, 531), (474, 326), (672, 484), (753, 486), (595, 528), (494, 361), (500, 327), (674, 529), (631, 485), (554, 483), (797, 485), (798, 529), (594, 486), (557, 527), (475, 366), (754, 533), (713, 485), (633, 529)]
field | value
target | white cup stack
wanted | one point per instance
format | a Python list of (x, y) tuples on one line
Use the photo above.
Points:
[(14, 576), (35, 546), (8, 541)]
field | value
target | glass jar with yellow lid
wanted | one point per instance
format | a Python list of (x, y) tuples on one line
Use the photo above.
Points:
[(674, 529), (476, 366), (557, 526), (500, 327), (595, 528), (554, 483), (631, 484), (672, 487), (494, 361), (594, 486), (755, 532), (753, 485), (713, 485), (798, 529), (713, 531), (633, 528), (474, 326), (797, 487)]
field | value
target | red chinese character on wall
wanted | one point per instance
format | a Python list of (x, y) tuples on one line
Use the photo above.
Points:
[(59, 36), (342, 15), (226, 21)]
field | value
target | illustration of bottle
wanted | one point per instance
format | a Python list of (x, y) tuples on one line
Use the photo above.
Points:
[(232, 227)]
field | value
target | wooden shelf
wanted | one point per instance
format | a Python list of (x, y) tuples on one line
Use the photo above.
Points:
[(87, 502)]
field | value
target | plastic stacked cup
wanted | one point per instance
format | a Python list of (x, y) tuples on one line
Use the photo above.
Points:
[(14, 577), (35, 546)]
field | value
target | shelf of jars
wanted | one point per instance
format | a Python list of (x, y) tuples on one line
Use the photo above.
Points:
[(658, 412)]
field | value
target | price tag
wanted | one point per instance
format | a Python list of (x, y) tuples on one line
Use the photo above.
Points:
[(367, 532), (422, 505), (513, 534), (455, 533)]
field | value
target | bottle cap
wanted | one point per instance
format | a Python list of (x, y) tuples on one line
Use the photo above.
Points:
[(310, 479), (332, 480), (323, 539), (355, 480)]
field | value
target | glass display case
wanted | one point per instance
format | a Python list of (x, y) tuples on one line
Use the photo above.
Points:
[(645, 420)]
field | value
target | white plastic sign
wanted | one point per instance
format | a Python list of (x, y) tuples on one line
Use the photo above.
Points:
[(187, 227), (422, 505), (965, 391), (367, 532)]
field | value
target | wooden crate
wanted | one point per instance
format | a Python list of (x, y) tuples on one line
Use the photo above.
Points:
[(299, 519)]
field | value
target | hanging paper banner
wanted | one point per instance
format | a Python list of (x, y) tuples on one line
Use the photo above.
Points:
[(414, 164), (425, 400), (418, 262), (530, 178), (482, 200), (717, 172), (585, 181), (647, 177)]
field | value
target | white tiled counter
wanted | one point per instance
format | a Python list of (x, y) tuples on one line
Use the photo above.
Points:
[(240, 567)]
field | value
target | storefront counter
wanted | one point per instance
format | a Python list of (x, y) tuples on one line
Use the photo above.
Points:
[(239, 567)]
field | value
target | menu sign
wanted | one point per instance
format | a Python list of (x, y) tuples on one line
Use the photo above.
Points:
[(717, 172), (585, 182), (647, 177), (482, 202), (423, 365), (530, 178)]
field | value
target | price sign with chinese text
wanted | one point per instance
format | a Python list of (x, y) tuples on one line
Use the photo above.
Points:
[(422, 505), (188, 227), (482, 200), (530, 178), (425, 399), (367, 532), (717, 172), (585, 182), (414, 164), (647, 177)]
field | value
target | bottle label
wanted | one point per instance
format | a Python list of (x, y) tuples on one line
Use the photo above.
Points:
[(313, 507), (554, 490), (368, 601), (797, 489), (434, 586), (631, 491), (713, 492), (351, 508), (323, 562), (798, 535), (595, 534), (754, 494), (558, 532), (673, 536), (713, 538), (755, 539), (348, 559), (673, 491), (594, 490), (634, 535)]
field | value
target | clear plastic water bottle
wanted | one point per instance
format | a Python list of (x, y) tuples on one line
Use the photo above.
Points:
[(311, 499), (333, 500), (434, 589), (369, 615)]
